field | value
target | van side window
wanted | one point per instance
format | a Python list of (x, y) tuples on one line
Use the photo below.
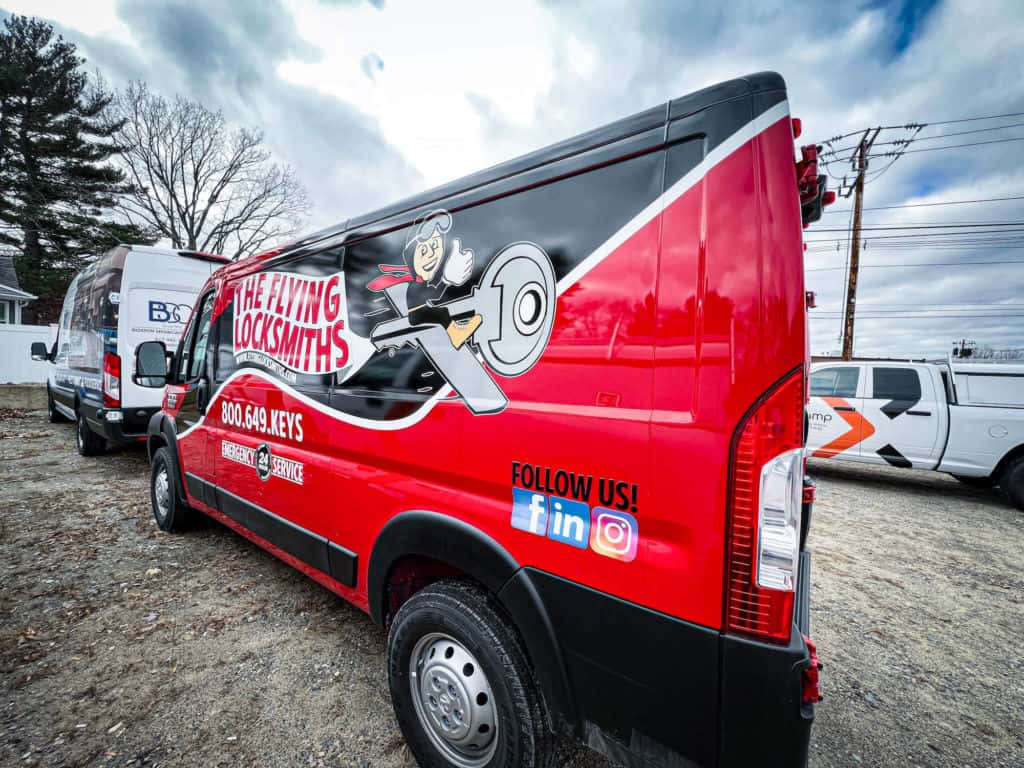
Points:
[(85, 350), (224, 333), (193, 347), (64, 328), (895, 384), (835, 382), (195, 367)]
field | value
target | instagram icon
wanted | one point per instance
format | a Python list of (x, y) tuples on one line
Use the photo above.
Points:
[(613, 533)]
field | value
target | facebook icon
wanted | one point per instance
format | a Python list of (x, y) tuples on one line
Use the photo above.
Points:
[(570, 522), (529, 511)]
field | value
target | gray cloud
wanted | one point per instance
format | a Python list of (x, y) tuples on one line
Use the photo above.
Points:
[(226, 55), (378, 4), (338, 151), (844, 70)]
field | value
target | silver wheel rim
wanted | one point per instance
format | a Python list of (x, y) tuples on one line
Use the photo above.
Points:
[(162, 493), (78, 433), (453, 700)]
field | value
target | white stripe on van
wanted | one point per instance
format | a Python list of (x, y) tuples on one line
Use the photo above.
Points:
[(673, 193)]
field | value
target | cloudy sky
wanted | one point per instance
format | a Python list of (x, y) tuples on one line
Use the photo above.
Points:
[(374, 100)]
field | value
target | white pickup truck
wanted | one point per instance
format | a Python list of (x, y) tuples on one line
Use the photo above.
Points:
[(966, 419)]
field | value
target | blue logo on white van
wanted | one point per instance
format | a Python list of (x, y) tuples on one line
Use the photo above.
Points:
[(166, 312)]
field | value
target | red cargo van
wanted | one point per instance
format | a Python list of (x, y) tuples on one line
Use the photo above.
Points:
[(545, 425)]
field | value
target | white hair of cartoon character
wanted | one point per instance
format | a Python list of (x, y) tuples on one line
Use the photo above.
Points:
[(431, 223)]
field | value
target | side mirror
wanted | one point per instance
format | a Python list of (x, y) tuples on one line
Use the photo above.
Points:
[(40, 352), (150, 364)]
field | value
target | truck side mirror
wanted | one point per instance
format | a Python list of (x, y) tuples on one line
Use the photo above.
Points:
[(40, 352), (150, 364)]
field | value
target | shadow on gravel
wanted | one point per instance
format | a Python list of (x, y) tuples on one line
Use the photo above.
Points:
[(902, 480)]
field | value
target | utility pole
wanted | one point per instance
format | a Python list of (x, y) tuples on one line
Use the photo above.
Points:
[(858, 202)]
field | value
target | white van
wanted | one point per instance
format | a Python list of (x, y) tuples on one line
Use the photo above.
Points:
[(131, 294)]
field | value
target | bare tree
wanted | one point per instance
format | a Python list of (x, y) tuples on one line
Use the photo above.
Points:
[(203, 185)]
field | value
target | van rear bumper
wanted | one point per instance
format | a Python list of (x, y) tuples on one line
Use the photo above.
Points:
[(763, 718), (127, 427)]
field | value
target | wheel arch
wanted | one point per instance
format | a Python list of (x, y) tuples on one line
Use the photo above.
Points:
[(1012, 455), (440, 545), (161, 434)]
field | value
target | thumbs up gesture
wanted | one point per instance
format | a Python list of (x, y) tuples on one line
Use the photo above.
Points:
[(459, 266)]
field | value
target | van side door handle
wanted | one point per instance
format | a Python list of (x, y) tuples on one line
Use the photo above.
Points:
[(919, 413), (846, 408)]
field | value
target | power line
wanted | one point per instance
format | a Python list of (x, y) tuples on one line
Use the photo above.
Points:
[(929, 205), (922, 236), (932, 312), (902, 142), (960, 225), (904, 247), (946, 304), (919, 264), (897, 153), (919, 317), (911, 126), (967, 119)]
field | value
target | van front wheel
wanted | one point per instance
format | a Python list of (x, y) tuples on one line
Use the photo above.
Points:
[(55, 416), (171, 512), (463, 692)]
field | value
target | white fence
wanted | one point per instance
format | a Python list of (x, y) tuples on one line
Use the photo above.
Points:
[(16, 363)]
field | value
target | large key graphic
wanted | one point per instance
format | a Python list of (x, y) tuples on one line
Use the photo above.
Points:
[(505, 322)]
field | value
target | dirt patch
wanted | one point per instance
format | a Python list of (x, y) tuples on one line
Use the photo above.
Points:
[(121, 645), (917, 607)]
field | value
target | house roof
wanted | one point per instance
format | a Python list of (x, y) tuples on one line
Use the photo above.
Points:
[(8, 276), (10, 288), (6, 292)]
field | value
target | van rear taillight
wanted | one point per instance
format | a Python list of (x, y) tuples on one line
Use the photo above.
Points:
[(111, 381), (765, 507)]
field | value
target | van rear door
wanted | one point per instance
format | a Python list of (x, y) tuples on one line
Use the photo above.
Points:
[(158, 292), (155, 313)]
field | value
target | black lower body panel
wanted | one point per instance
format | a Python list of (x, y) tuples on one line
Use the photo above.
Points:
[(311, 548), (645, 684), (652, 690)]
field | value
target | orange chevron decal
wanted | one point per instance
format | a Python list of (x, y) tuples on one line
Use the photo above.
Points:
[(860, 429)]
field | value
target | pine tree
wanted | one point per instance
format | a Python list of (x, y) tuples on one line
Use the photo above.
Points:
[(57, 188)]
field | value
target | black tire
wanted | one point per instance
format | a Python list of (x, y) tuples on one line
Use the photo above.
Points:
[(1011, 481), (88, 442), (171, 512), (463, 612), (976, 482), (55, 416)]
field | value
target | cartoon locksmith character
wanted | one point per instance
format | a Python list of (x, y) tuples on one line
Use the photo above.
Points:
[(416, 287)]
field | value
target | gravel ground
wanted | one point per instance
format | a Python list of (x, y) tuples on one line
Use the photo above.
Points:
[(120, 645)]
